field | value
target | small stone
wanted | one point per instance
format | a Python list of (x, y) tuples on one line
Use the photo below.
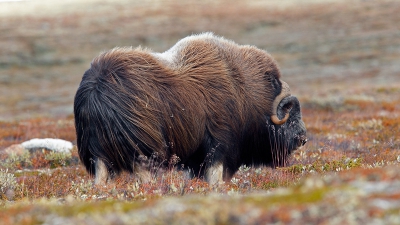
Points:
[(17, 149)]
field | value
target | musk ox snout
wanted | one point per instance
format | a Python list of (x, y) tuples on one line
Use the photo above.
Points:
[(206, 100), (291, 105)]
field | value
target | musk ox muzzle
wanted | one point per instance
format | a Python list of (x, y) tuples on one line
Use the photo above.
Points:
[(207, 101)]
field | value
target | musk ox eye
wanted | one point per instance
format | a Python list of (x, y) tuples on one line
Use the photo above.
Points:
[(274, 83)]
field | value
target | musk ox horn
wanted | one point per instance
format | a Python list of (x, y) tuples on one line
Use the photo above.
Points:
[(285, 92)]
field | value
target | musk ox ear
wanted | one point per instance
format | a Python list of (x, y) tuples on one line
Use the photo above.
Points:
[(285, 92)]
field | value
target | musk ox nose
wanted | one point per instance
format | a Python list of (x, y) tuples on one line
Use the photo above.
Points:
[(303, 141), (303, 133), (300, 140)]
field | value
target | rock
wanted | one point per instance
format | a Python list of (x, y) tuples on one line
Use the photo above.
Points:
[(57, 145), (17, 149)]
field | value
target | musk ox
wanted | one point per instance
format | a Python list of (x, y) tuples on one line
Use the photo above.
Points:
[(214, 104)]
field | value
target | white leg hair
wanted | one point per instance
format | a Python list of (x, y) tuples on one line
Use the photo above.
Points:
[(101, 172), (142, 175), (214, 175)]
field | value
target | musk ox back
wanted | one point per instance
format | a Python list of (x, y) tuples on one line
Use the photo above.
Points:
[(214, 104)]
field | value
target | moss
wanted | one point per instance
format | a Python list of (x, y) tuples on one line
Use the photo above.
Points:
[(22, 173), (320, 166), (17, 160), (270, 185), (295, 169), (293, 196), (96, 207), (393, 212), (388, 90), (58, 159)]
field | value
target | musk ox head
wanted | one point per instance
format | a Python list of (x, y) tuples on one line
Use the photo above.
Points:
[(214, 104)]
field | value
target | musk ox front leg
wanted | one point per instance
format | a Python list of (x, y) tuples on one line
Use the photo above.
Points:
[(219, 173), (214, 174), (222, 167), (141, 173)]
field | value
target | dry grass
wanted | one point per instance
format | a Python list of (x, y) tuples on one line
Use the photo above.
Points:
[(341, 60)]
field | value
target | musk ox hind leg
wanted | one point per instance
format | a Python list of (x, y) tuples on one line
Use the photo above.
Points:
[(102, 175), (101, 172)]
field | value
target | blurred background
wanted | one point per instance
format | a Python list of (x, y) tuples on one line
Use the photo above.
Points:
[(325, 49)]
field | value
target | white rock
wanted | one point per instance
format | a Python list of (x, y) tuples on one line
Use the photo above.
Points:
[(57, 145)]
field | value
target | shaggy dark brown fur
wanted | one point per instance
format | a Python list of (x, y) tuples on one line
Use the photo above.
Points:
[(207, 100)]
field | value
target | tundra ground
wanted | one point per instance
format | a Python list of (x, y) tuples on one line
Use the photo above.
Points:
[(340, 59)]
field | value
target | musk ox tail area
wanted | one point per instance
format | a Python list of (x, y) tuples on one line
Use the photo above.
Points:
[(110, 119)]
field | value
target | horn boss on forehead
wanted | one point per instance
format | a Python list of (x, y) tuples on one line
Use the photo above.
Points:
[(212, 103)]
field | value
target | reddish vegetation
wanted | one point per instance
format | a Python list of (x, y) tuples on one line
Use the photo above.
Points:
[(339, 60), (17, 132), (339, 140)]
